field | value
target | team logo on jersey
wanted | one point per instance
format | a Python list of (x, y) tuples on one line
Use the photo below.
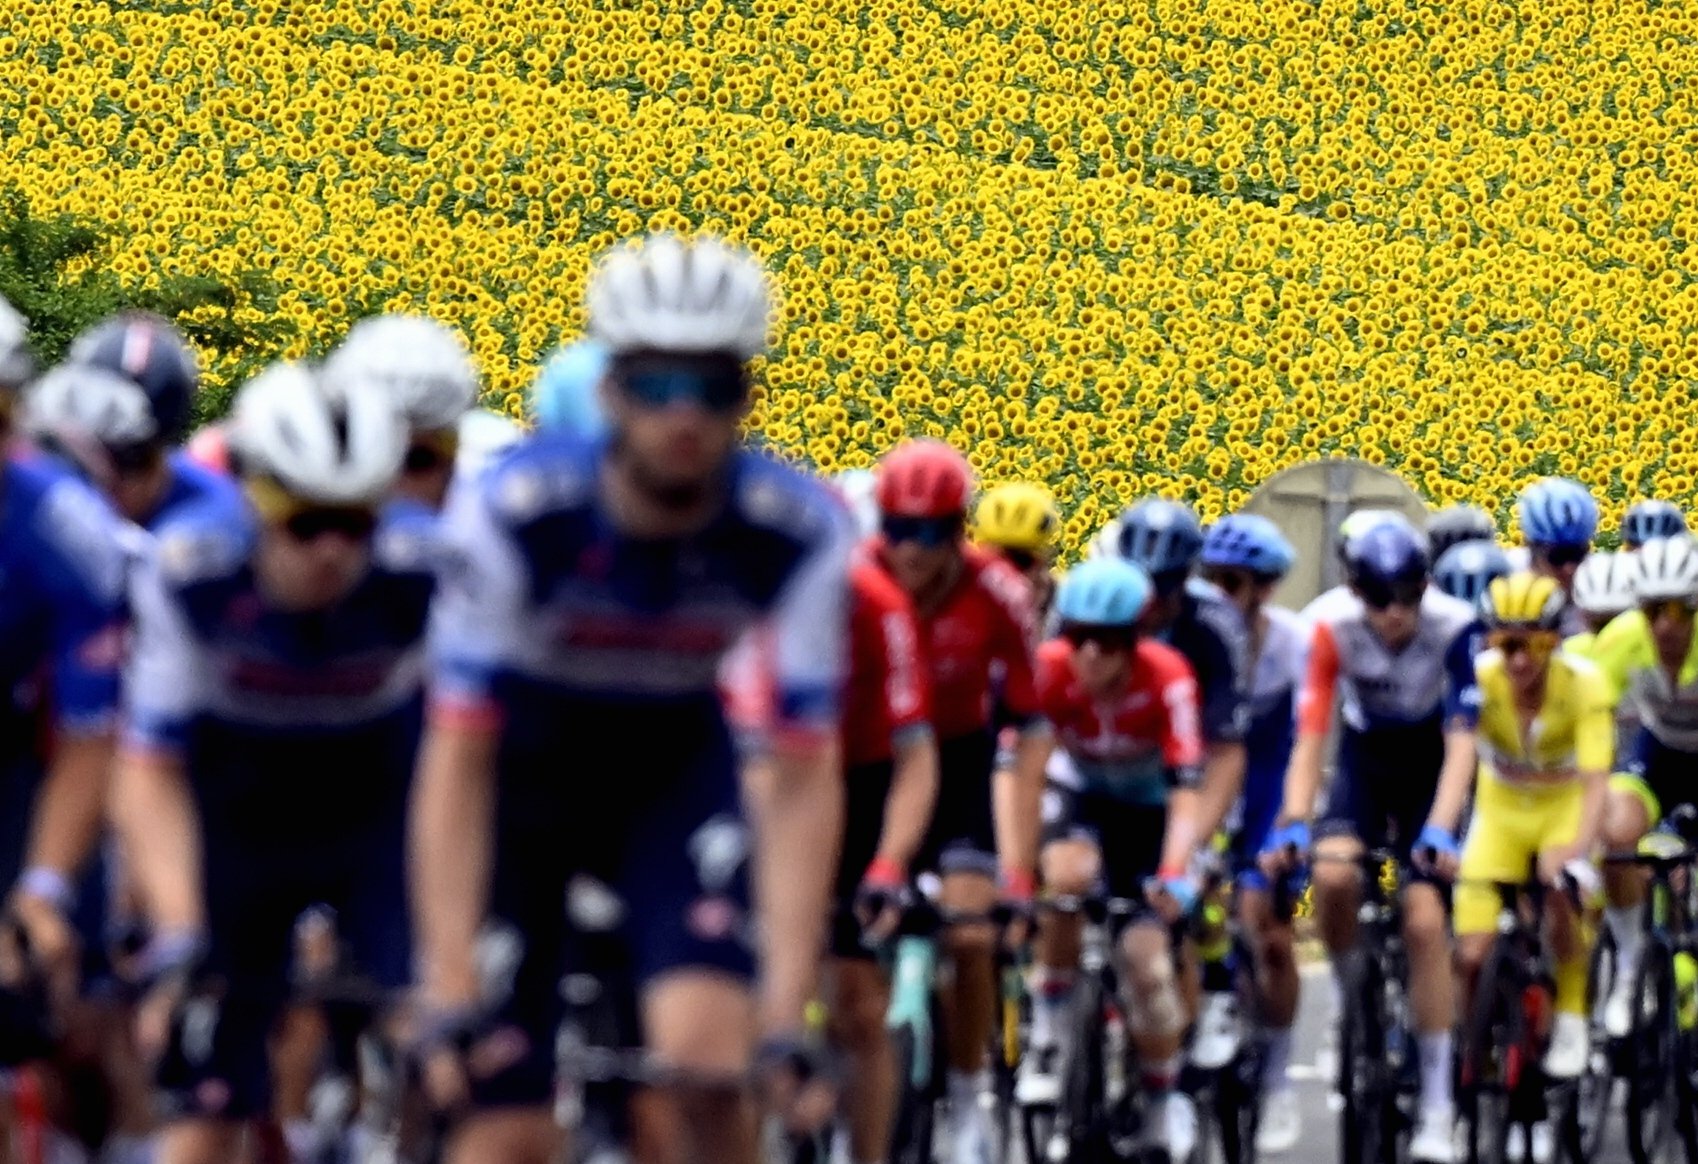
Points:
[(718, 849)]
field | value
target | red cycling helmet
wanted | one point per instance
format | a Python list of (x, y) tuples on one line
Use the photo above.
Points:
[(924, 478)]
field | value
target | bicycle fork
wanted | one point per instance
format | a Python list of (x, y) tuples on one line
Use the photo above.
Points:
[(911, 1000)]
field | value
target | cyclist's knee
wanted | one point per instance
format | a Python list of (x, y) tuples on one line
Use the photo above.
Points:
[(1625, 819), (970, 941), (199, 1141), (968, 893), (1070, 867), (1334, 872), (858, 1009), (1425, 927), (1471, 954), (700, 1022)]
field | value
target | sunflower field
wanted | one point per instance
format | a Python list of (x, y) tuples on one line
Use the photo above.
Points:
[(1119, 247)]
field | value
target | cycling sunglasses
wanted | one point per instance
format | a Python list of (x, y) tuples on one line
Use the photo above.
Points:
[(134, 460), (1235, 582), (715, 387), (1109, 639), (305, 520), (930, 532), (430, 451), (1563, 555), (1380, 595), (1513, 642), (1676, 608)]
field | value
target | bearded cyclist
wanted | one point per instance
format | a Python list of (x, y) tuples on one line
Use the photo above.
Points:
[(1246, 556), (1651, 518), (1649, 656), (1124, 709), (1018, 521), (976, 624), (1398, 655)]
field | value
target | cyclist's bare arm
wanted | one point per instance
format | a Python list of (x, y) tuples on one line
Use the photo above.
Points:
[(159, 833), (1456, 778), (913, 792), (72, 806), (1223, 783), (1018, 794), (450, 853)]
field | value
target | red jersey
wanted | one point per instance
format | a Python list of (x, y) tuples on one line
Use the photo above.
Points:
[(1130, 744), (888, 696), (981, 632)]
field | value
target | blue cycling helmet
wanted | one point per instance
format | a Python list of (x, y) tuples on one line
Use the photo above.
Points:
[(1104, 592), (1248, 541), (1651, 518), (1467, 568), (1163, 537), (1388, 553), (565, 395), (1555, 511)]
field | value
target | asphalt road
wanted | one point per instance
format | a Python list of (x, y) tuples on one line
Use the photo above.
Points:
[(1319, 1144)]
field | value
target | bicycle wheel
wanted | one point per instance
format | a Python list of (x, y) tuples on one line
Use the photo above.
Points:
[(1080, 1134), (1585, 1118), (1364, 1134), (1493, 1059), (1238, 1089), (1652, 1094), (916, 1107)]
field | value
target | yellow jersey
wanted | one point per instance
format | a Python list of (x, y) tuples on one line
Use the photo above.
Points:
[(1574, 731)]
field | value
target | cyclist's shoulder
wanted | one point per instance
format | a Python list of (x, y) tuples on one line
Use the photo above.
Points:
[(1444, 614), (1161, 664), (1579, 675), (1624, 641), (204, 541), (407, 539), (62, 529), (874, 589), (1286, 631), (1331, 607), (546, 473)]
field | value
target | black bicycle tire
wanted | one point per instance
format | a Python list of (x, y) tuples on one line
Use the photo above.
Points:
[(1586, 1116), (1362, 1124), (1238, 1091), (1644, 1087), (1083, 1078), (916, 1107), (1494, 1026)]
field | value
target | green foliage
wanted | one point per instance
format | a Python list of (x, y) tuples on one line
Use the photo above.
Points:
[(51, 270)]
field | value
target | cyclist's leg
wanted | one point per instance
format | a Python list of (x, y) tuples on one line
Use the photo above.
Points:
[(1354, 817), (860, 989), (1272, 940), (1500, 847), (1634, 807)]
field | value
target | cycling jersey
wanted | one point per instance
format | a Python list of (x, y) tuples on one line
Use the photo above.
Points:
[(1276, 674), (189, 482), (61, 595), (980, 632), (1136, 744), (1210, 633), (1427, 679), (1626, 654), (1573, 732)]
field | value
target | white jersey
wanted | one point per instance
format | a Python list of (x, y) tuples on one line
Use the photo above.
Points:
[(1378, 687)]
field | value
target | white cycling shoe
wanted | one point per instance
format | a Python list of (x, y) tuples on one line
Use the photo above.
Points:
[(972, 1138), (1281, 1125), (1571, 1043), (1618, 1007), (1218, 1031), (1434, 1141), (1039, 1082)]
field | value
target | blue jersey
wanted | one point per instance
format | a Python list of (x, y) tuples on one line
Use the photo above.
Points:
[(189, 483), (240, 688), (1210, 633), (61, 598), (542, 596), (1276, 675)]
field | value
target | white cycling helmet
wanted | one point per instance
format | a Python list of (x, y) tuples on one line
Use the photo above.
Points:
[(1603, 583), (859, 488), (667, 294), (16, 363), (423, 364), (483, 434), (1666, 568), (1107, 542), (329, 446), (74, 405)]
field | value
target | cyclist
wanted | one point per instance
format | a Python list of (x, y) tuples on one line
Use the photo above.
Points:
[(1354, 525), (1651, 518), (1018, 521), (61, 594), (1398, 654), (566, 395), (1546, 739), (1124, 709), (1603, 588), (1198, 621), (1455, 524), (976, 623), (275, 674), (425, 365), (1466, 569), (1558, 520), (590, 595), (1246, 556), (1650, 658)]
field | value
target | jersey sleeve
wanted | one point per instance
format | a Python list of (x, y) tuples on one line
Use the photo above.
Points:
[(164, 680), (1182, 742), (90, 561), (1462, 683), (478, 617), (1594, 723), (1623, 646), (907, 690), (1224, 699), (1320, 682), (809, 628)]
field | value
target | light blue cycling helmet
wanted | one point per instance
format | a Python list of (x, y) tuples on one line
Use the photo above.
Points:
[(565, 395), (1651, 518), (1163, 537), (1104, 592), (1467, 568), (1248, 541), (1556, 511)]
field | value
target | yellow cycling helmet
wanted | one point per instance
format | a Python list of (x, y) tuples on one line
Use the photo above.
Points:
[(1017, 516), (1523, 601)]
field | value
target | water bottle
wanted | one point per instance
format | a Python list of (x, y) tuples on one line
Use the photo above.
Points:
[(1114, 1053), (1686, 990)]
